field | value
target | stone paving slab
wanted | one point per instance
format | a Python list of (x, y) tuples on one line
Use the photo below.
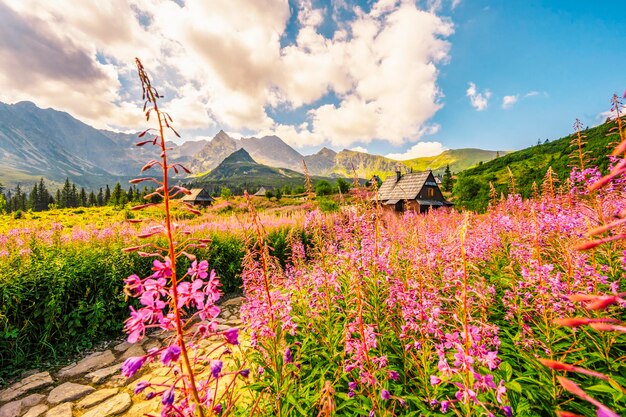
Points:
[(63, 410), (39, 380), (12, 409), (122, 347), (134, 350), (233, 302), (111, 407), (96, 398), (15, 408), (96, 360), (36, 411), (69, 391), (101, 375)]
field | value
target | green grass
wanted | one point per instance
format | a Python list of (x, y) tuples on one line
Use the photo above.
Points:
[(529, 165), (458, 159)]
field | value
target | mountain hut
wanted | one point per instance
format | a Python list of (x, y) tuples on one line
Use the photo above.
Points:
[(199, 197), (417, 191), (262, 191)]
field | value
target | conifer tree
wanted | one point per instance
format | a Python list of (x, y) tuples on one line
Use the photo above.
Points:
[(59, 199), (447, 179), (82, 198), (66, 194), (18, 201), (92, 200), (44, 196), (33, 198), (116, 195), (74, 196)]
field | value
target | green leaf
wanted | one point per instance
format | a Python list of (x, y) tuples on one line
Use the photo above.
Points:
[(507, 369), (296, 404), (514, 386), (601, 388)]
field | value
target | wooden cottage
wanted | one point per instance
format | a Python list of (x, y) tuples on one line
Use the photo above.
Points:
[(199, 197), (413, 191), (262, 191)]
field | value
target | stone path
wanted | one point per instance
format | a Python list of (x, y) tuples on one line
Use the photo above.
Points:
[(93, 387)]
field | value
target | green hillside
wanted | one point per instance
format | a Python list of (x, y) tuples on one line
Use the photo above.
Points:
[(367, 165), (529, 165), (458, 159), (240, 172)]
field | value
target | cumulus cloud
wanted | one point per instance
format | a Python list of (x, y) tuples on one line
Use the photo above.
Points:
[(222, 64), (509, 101), (419, 150), (479, 101), (610, 114)]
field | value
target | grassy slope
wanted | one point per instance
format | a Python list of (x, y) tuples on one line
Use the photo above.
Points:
[(529, 165), (368, 165), (365, 165), (240, 172), (458, 159)]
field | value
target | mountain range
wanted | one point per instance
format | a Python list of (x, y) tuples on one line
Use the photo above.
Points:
[(48, 143)]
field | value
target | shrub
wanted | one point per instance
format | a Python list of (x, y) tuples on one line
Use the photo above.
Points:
[(327, 206), (323, 187)]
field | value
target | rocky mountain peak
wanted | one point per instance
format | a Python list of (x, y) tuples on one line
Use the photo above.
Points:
[(326, 152), (222, 136)]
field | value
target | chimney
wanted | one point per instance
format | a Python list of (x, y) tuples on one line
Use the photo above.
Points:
[(398, 176)]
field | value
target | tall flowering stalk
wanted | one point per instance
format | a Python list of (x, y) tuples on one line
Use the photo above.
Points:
[(266, 312), (171, 300), (597, 302)]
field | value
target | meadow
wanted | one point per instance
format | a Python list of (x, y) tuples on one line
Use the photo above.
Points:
[(62, 272), (365, 312), (447, 313)]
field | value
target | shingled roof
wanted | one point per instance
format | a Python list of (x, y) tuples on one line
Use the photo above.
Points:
[(197, 194), (407, 188), (261, 192)]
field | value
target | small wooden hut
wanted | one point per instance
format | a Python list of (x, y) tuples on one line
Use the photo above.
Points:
[(417, 191), (263, 190), (199, 197)]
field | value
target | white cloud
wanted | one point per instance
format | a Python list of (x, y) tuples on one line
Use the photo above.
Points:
[(479, 101), (359, 149), (509, 101), (455, 3), (610, 114), (221, 64), (378, 103), (419, 150)]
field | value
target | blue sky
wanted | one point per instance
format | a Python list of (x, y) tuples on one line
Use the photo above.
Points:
[(570, 52), (404, 78)]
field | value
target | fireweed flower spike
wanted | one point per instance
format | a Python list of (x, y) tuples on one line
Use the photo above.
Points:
[(132, 365), (216, 368), (168, 299), (232, 336), (598, 302)]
